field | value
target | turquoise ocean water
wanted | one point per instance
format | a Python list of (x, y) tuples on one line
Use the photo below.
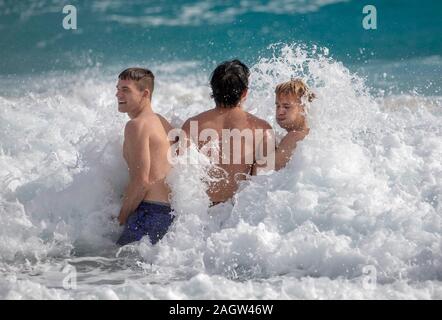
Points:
[(407, 43)]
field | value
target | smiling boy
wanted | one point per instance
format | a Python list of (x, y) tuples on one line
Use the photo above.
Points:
[(146, 209)]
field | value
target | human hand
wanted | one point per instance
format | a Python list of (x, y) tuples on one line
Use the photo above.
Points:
[(122, 218)]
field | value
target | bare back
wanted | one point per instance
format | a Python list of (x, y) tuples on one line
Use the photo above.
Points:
[(232, 166)]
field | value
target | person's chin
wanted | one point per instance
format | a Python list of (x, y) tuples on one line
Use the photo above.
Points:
[(286, 126), (281, 124)]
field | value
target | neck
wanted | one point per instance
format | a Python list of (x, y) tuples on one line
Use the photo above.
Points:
[(145, 108), (230, 109)]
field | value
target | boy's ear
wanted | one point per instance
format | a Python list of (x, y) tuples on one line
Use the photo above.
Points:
[(146, 93), (244, 94)]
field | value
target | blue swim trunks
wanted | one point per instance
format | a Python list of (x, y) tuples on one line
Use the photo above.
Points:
[(150, 218)]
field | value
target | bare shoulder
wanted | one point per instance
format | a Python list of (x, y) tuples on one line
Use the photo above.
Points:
[(133, 128), (186, 124), (257, 122), (203, 116), (162, 119), (199, 117), (139, 127), (166, 124)]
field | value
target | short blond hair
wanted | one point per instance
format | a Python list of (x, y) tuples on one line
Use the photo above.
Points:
[(295, 87)]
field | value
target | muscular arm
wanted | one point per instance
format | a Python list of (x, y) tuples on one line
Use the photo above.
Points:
[(136, 143)]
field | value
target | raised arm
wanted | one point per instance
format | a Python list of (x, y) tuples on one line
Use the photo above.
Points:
[(136, 144)]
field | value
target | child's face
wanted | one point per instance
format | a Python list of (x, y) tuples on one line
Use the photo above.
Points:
[(129, 96), (289, 112)]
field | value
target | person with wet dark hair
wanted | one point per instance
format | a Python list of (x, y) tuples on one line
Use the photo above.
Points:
[(236, 134), (229, 81)]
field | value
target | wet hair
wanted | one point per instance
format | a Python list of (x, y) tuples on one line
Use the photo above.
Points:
[(229, 80), (143, 78), (295, 87)]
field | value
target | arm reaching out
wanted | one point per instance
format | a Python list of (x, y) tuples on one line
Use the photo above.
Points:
[(136, 144)]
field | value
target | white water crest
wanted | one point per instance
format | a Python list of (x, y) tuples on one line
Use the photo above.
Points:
[(363, 189)]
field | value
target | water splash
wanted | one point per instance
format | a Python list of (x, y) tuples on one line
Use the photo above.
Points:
[(362, 189)]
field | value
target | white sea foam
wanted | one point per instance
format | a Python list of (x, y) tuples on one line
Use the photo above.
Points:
[(363, 189)]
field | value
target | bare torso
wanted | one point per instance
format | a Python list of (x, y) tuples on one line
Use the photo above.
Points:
[(156, 128), (229, 171)]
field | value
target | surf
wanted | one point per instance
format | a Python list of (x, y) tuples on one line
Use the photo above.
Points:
[(362, 190)]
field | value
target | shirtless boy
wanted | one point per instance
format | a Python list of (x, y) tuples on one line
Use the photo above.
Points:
[(146, 209), (290, 115), (235, 127)]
